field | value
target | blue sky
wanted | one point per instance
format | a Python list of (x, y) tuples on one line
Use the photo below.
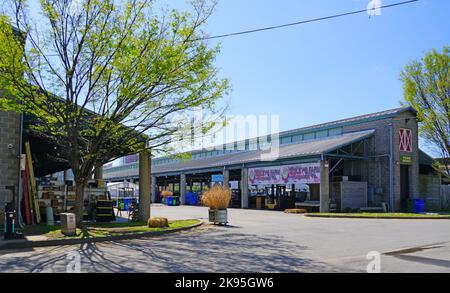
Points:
[(322, 71)]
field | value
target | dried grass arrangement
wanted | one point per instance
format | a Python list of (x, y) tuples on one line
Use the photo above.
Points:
[(217, 198), (166, 193)]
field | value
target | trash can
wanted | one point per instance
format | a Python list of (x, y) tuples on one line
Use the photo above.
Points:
[(68, 224), (192, 198), (419, 206), (175, 201), (416, 205), (410, 206)]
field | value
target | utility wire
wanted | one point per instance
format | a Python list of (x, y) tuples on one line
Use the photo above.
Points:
[(303, 22)]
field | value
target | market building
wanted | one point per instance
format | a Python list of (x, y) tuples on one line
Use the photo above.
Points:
[(368, 162)]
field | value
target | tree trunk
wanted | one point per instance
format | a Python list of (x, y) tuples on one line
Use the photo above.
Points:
[(79, 202)]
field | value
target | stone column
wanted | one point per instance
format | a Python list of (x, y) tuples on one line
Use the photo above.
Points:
[(144, 185), (324, 186), (153, 189), (226, 178), (183, 189), (244, 188)]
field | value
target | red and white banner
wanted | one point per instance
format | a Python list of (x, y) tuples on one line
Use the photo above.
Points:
[(405, 140), (292, 174)]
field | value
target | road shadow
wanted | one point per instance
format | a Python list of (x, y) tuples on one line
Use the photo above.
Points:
[(203, 250), (425, 260), (212, 250)]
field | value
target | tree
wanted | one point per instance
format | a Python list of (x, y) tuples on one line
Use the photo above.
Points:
[(106, 78), (427, 89)]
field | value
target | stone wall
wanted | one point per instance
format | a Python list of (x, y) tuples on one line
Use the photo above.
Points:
[(9, 154)]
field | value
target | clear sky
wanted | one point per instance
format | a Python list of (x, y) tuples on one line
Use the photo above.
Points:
[(326, 70), (320, 71)]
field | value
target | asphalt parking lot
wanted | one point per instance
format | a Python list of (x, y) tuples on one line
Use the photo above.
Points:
[(257, 241)]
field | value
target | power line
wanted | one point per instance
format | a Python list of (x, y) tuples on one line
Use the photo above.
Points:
[(302, 22)]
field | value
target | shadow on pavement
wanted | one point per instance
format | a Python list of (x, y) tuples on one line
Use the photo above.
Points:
[(209, 251), (425, 260), (206, 249)]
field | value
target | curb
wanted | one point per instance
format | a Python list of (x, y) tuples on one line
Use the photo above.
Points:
[(20, 244), (379, 218)]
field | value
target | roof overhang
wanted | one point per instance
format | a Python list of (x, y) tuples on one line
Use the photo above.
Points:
[(313, 149)]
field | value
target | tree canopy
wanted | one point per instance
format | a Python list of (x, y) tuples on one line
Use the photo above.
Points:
[(427, 89), (107, 78)]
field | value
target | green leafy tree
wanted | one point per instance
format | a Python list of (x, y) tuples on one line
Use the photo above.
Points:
[(427, 89), (106, 78)]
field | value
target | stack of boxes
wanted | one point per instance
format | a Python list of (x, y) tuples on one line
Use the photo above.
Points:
[(61, 198)]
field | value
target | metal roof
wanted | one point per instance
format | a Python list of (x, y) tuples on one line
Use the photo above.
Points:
[(371, 116), (323, 126), (308, 148)]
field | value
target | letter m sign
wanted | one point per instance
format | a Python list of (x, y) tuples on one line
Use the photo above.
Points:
[(405, 140)]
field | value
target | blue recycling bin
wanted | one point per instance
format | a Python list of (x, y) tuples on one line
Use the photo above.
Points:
[(173, 201), (419, 206), (125, 203), (192, 198)]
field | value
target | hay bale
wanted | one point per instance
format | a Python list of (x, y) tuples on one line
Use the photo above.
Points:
[(295, 211), (158, 222)]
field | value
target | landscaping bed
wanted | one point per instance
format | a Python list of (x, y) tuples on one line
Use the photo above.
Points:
[(381, 216), (98, 230)]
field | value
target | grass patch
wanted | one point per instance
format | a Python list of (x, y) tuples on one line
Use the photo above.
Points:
[(380, 215), (95, 230)]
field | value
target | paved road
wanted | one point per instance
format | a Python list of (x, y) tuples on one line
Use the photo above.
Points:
[(256, 241)]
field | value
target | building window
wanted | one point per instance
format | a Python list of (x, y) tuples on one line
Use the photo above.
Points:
[(286, 140), (308, 136), (335, 131), (323, 133), (297, 138)]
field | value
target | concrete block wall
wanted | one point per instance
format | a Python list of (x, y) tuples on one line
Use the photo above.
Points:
[(430, 189), (9, 158), (378, 168)]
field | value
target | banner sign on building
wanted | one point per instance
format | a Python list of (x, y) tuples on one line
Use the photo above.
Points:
[(406, 159), (216, 180), (405, 140), (290, 174), (130, 159)]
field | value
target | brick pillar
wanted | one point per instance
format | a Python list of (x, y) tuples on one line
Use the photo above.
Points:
[(226, 178), (153, 189), (10, 129), (324, 186), (183, 189), (244, 188), (144, 185)]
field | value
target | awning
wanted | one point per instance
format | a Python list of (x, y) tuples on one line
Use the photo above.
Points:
[(308, 148)]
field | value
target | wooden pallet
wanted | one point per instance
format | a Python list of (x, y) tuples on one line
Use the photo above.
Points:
[(26, 199), (33, 190)]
